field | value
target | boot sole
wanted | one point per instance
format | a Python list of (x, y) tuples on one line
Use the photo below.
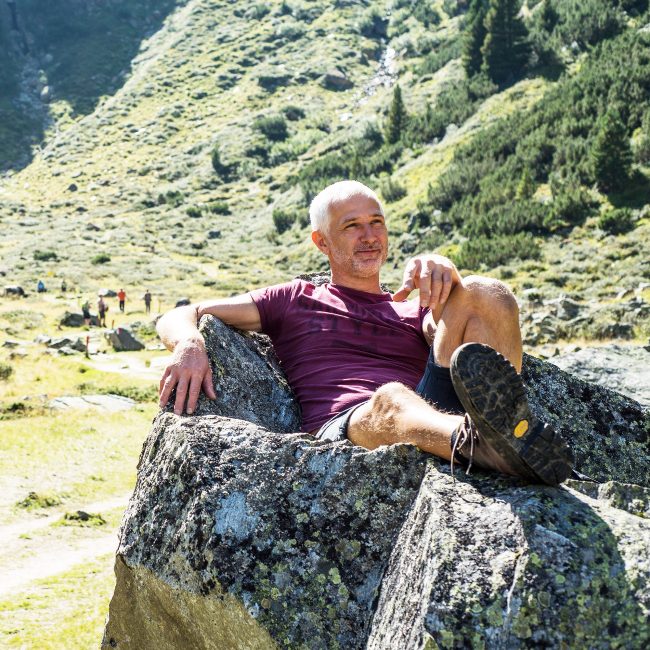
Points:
[(494, 396)]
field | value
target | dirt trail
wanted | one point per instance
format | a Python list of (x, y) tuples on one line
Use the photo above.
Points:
[(24, 559)]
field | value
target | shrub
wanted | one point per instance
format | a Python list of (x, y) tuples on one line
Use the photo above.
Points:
[(45, 256), (491, 252), (617, 222), (283, 220), (102, 258), (273, 127), (194, 211), (293, 113), (6, 371), (218, 207), (173, 198), (391, 190)]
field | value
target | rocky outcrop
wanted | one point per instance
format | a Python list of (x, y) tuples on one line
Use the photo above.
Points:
[(622, 368), (123, 340), (241, 534)]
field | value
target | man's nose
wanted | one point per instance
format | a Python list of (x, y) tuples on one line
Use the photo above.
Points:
[(368, 233)]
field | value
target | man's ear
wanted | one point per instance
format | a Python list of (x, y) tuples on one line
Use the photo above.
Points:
[(319, 240)]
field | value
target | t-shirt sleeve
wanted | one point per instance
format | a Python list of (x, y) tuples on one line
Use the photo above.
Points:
[(272, 303)]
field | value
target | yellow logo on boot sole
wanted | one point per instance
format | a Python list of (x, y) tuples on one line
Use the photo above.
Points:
[(521, 428)]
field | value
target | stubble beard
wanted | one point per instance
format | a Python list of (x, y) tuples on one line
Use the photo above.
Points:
[(358, 267)]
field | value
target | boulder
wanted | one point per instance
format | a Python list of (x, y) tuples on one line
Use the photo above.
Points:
[(241, 534), (14, 290), (335, 80), (623, 368), (123, 340), (64, 342), (73, 319)]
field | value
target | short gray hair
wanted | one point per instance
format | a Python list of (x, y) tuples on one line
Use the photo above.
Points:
[(319, 209)]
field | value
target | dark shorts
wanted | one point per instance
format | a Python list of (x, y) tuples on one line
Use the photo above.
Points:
[(435, 387)]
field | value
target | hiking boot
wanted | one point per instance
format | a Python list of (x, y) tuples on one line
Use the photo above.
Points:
[(499, 431)]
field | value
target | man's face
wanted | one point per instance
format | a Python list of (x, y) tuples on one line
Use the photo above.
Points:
[(356, 239)]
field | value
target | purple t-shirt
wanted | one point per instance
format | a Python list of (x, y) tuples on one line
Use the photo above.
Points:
[(338, 345)]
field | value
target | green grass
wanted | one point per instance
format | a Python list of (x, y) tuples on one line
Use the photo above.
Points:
[(65, 611)]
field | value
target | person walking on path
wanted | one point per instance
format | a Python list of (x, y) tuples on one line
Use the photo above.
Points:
[(147, 301), (85, 310), (102, 308), (121, 296)]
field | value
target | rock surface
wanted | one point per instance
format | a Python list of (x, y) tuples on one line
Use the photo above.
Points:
[(123, 340), (237, 537), (622, 368)]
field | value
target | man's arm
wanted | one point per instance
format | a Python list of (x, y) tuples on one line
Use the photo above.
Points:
[(189, 368)]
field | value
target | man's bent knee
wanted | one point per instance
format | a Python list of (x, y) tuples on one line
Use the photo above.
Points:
[(376, 422), (491, 293)]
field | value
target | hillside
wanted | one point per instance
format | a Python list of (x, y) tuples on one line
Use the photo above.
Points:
[(124, 105)]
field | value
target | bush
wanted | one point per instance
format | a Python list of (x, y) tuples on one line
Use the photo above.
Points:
[(391, 190), (293, 113), (194, 211), (283, 220), (491, 252), (102, 258), (6, 371), (218, 207), (172, 198), (273, 127), (45, 256), (617, 222)]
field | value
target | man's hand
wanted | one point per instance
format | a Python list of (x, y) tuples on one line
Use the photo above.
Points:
[(434, 275), (188, 371)]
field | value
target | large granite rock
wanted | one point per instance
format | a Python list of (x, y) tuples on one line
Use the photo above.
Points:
[(624, 368), (239, 537)]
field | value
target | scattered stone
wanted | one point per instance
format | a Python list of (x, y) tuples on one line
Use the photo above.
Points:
[(14, 290), (123, 340), (182, 302), (9, 343), (43, 338), (214, 234), (109, 403), (71, 319), (335, 80), (64, 342)]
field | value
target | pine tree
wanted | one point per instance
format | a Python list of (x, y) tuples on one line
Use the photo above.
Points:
[(506, 48), (397, 118), (474, 37), (611, 153), (526, 187)]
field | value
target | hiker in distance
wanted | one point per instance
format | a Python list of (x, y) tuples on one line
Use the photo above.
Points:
[(440, 373)]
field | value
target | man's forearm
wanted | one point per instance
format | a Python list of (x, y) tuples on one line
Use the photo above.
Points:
[(180, 324)]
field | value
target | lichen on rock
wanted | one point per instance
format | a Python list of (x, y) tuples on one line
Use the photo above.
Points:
[(242, 534)]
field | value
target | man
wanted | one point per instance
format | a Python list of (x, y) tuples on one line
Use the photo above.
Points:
[(441, 374), (121, 297), (102, 308), (147, 301)]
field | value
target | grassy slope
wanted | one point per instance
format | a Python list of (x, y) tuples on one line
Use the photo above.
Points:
[(195, 84)]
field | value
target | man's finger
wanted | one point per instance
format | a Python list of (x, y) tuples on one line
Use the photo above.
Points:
[(425, 285), (161, 385), (446, 287), (436, 287), (403, 292), (181, 394), (208, 386), (167, 390), (193, 393)]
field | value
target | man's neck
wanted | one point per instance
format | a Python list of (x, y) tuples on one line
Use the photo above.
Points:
[(369, 285)]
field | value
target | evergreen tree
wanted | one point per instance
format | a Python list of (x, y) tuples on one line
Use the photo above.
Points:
[(506, 48), (611, 153), (397, 118), (526, 187), (474, 37)]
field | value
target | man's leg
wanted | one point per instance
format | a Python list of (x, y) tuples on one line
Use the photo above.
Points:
[(479, 310)]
